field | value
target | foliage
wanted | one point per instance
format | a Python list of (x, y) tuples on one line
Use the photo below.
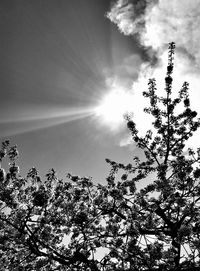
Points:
[(77, 225)]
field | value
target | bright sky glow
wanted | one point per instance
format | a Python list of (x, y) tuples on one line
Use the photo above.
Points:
[(113, 106)]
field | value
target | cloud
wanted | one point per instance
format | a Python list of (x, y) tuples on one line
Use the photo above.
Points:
[(117, 96), (123, 73), (155, 24), (129, 15)]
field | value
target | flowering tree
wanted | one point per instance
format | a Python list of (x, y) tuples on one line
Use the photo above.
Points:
[(54, 224)]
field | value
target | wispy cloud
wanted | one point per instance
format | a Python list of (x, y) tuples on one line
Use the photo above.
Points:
[(129, 15)]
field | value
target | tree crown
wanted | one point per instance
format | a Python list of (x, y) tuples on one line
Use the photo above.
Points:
[(54, 224)]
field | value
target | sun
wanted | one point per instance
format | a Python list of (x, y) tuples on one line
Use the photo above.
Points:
[(113, 106)]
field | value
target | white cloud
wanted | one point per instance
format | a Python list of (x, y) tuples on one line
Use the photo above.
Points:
[(157, 23), (161, 22)]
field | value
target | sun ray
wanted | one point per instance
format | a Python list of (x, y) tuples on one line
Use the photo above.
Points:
[(32, 121)]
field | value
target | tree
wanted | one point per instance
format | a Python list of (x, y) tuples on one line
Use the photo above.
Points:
[(54, 224)]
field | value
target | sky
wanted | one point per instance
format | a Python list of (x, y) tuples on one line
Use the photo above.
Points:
[(69, 70)]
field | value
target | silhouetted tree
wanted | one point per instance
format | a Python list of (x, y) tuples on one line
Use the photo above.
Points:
[(77, 225)]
